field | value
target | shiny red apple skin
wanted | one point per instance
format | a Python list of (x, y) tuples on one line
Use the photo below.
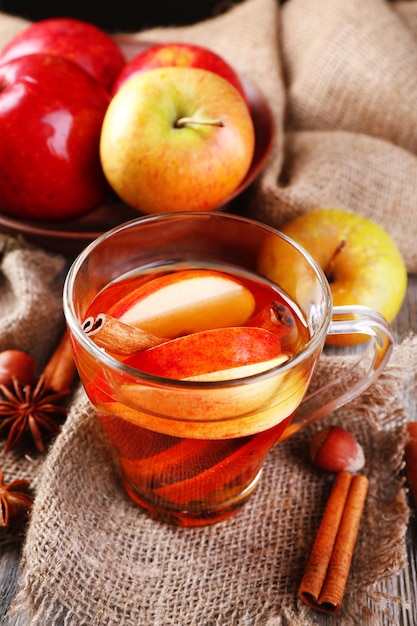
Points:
[(82, 42), (51, 112), (178, 54), (209, 351)]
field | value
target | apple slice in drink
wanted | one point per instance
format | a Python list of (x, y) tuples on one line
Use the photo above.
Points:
[(192, 455), (216, 355), (202, 465), (212, 355), (229, 468), (185, 302)]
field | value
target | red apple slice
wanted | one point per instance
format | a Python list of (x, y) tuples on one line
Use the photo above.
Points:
[(231, 462), (230, 468), (193, 455), (215, 354), (186, 302), (206, 411)]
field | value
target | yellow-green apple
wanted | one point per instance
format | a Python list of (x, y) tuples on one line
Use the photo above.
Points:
[(178, 54), (51, 112), (82, 42), (360, 259), (176, 138), (186, 301)]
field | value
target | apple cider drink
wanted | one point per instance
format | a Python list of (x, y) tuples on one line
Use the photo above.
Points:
[(190, 432), (196, 335)]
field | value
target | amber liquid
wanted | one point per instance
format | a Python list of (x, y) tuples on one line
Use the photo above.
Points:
[(192, 480)]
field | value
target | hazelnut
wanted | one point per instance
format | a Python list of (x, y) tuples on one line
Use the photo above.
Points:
[(335, 449)]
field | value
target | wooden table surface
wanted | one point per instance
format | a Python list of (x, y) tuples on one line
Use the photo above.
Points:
[(404, 586)]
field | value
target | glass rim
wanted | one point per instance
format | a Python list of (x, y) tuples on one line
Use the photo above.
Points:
[(75, 326)]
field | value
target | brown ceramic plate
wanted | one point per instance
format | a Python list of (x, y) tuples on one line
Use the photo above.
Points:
[(70, 237)]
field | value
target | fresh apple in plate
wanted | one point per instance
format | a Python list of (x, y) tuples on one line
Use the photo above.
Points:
[(178, 54), (82, 42), (360, 259), (51, 113), (186, 302), (175, 139)]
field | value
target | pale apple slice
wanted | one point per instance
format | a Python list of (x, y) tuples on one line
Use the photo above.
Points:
[(241, 371), (215, 413), (186, 302)]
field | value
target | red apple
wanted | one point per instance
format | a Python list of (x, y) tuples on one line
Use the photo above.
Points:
[(216, 354), (178, 54), (51, 112), (175, 139), (82, 42), (186, 302)]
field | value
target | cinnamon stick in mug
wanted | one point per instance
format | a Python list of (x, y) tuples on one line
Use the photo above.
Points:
[(326, 574), (115, 336)]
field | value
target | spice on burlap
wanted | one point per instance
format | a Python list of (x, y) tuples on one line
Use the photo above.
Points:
[(31, 320), (35, 410), (16, 501), (324, 580)]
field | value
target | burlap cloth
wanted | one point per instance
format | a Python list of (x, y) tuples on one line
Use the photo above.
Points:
[(340, 78)]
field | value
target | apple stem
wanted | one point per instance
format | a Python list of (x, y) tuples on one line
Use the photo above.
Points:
[(330, 266), (184, 121)]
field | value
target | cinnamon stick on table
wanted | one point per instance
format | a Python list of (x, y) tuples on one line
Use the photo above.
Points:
[(60, 370), (326, 574)]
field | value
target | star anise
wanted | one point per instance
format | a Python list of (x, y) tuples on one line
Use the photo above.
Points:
[(16, 501), (38, 410), (27, 410)]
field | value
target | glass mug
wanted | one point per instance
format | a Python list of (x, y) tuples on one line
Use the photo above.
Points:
[(191, 448)]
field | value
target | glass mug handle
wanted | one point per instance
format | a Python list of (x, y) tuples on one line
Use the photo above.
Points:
[(358, 375)]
